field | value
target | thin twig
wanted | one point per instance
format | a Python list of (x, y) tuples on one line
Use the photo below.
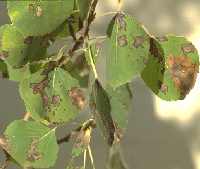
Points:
[(91, 156), (92, 64), (84, 158), (84, 126)]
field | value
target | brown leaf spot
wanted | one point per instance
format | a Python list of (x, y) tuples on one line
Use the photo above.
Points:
[(3, 55), (122, 40), (155, 51), (138, 41), (164, 88), (45, 100), (145, 60), (183, 73), (39, 11), (77, 97), (39, 87), (28, 40), (33, 154), (188, 48), (55, 100)]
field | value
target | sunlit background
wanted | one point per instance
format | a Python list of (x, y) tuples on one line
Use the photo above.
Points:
[(161, 135)]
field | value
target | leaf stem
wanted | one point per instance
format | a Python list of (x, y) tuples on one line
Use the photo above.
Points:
[(27, 116), (49, 132), (91, 156), (92, 63), (84, 158)]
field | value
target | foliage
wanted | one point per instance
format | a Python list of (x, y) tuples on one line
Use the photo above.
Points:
[(57, 87)]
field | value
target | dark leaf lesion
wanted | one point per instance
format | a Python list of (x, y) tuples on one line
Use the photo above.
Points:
[(33, 153), (183, 72)]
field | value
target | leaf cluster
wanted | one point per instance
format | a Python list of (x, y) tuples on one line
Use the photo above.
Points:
[(56, 88)]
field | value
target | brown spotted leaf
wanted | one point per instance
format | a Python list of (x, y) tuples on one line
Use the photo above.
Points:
[(172, 67), (120, 101), (31, 144), (127, 49), (27, 16), (56, 97), (100, 105), (16, 51)]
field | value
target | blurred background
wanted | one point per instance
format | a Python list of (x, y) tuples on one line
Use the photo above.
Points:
[(160, 135)]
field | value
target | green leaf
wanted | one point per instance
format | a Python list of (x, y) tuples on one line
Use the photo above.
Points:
[(56, 98), (127, 50), (18, 74), (31, 144), (172, 67), (92, 53), (62, 85), (33, 102), (78, 69), (84, 6), (12, 46), (37, 48), (28, 16), (102, 109), (120, 101), (16, 51), (68, 27)]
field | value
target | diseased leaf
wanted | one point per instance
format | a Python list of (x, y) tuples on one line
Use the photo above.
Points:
[(111, 109), (18, 74), (67, 98), (37, 48), (127, 50), (57, 98), (12, 46), (17, 51), (78, 69), (27, 16), (33, 102), (120, 101), (172, 67), (31, 144), (100, 104)]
